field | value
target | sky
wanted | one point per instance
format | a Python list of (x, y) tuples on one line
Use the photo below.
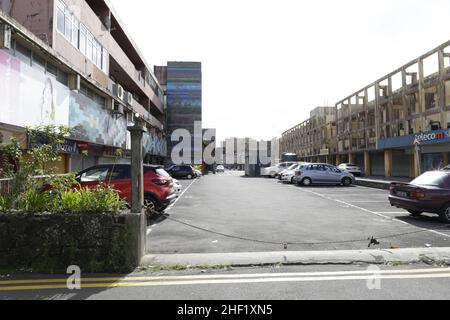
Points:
[(267, 64)]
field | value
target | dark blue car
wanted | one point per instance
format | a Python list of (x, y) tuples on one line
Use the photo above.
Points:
[(181, 172)]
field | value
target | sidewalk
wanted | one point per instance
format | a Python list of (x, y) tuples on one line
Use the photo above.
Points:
[(379, 182), (242, 259)]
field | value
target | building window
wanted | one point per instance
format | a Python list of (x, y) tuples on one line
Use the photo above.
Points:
[(105, 60), (52, 69), (60, 17), (83, 39), (89, 46), (23, 53), (77, 34)]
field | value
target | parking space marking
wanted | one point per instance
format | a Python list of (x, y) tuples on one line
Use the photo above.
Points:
[(180, 196), (373, 212)]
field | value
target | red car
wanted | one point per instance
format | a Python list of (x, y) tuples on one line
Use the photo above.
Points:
[(428, 193), (158, 185)]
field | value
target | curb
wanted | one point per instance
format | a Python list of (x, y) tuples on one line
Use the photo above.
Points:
[(380, 256), (384, 185)]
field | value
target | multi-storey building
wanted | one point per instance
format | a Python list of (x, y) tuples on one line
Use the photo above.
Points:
[(378, 126), (183, 89), (73, 63), (313, 139)]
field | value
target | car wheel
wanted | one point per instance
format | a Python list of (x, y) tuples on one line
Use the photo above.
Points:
[(292, 180), (347, 182), (415, 213), (307, 182), (273, 175), (445, 213), (150, 205), (189, 176)]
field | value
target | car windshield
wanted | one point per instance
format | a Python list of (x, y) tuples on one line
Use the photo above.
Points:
[(431, 178), (293, 167)]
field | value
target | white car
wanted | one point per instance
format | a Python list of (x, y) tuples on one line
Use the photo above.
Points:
[(274, 171), (289, 175), (220, 168), (351, 168), (177, 187)]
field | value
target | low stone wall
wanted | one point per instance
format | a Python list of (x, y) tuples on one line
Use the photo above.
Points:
[(101, 242)]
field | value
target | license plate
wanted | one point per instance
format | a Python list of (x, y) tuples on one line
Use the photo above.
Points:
[(402, 194)]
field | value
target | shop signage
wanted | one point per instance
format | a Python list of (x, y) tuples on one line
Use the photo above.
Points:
[(433, 136), (424, 138)]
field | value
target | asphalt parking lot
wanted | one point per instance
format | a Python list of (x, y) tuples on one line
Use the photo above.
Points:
[(230, 213)]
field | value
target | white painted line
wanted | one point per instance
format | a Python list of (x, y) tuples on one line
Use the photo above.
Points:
[(180, 196), (373, 212), (265, 280)]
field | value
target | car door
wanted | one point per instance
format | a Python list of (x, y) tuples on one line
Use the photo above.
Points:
[(333, 175), (175, 172), (121, 181)]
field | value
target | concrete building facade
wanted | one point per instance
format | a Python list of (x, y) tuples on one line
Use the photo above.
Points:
[(377, 126), (73, 63)]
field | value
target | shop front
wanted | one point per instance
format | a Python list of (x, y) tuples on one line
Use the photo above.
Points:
[(434, 152)]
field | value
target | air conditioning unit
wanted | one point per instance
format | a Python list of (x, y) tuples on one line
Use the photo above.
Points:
[(118, 91), (117, 109), (5, 36), (129, 98)]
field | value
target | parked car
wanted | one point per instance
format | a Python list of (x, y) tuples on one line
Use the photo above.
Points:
[(323, 174), (220, 168), (181, 172), (352, 168), (292, 167), (274, 171), (289, 175), (158, 185), (429, 193)]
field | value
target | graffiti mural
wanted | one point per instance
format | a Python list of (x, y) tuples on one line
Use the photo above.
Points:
[(29, 97), (94, 123)]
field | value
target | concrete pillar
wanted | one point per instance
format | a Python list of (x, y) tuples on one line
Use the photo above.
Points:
[(412, 168), (137, 166), (338, 159), (367, 164), (351, 158), (446, 158), (388, 163)]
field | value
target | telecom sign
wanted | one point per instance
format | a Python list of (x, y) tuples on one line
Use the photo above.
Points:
[(423, 138), (432, 136)]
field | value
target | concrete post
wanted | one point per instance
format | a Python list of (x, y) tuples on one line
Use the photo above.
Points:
[(137, 166), (367, 164), (137, 221), (388, 163)]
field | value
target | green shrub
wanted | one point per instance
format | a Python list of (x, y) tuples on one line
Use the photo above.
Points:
[(100, 199), (34, 201)]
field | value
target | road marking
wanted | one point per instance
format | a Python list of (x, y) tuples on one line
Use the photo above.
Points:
[(248, 278), (230, 276), (180, 196), (373, 212)]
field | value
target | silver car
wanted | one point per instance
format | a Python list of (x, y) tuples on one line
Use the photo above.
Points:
[(352, 168), (323, 174)]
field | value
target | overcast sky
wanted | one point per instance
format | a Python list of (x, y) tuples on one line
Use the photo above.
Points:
[(266, 64)]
